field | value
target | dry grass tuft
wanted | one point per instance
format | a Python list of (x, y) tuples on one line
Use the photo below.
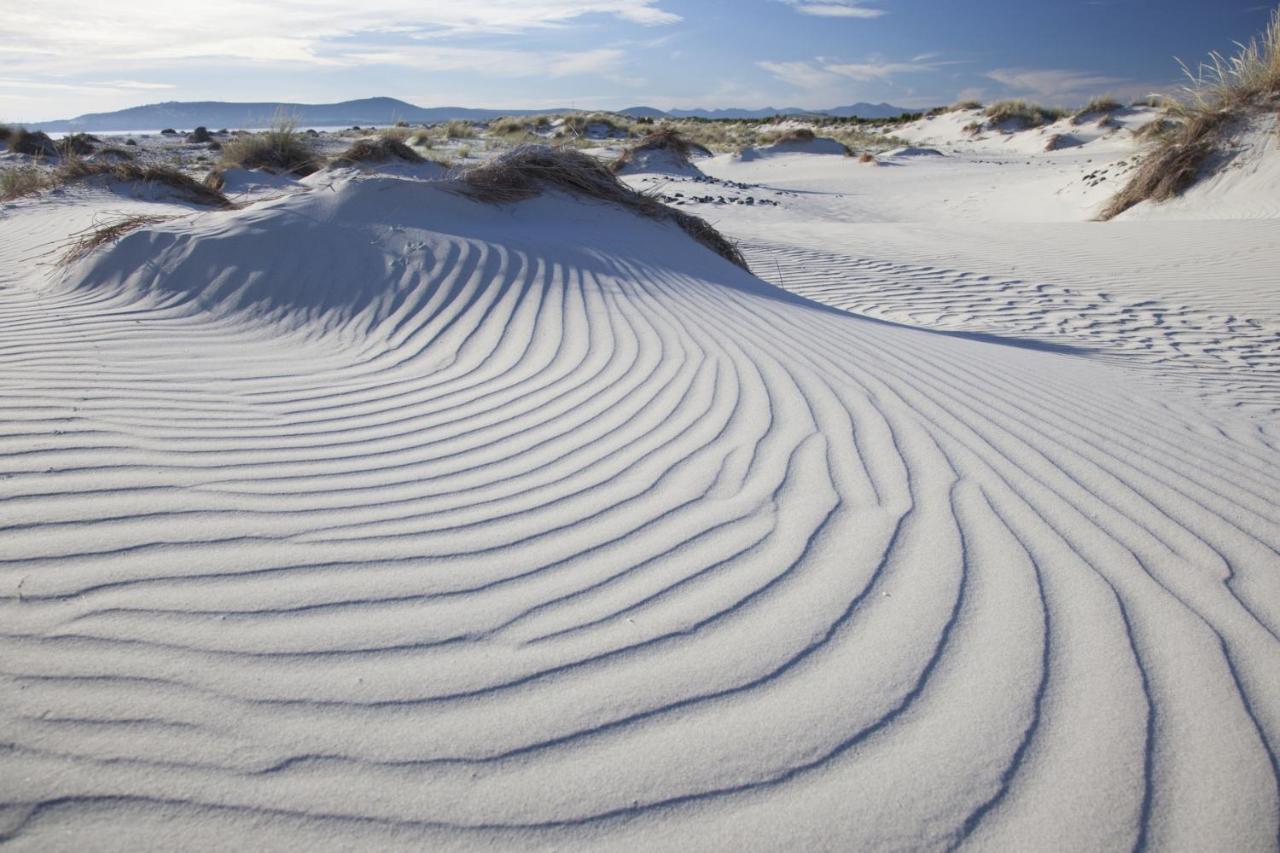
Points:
[(33, 143), (1172, 167), (1155, 100), (280, 149), (185, 185), (1250, 76), (378, 149), (458, 129), (1221, 91), (529, 170), (1156, 128), (22, 180), (579, 124), (866, 158), (99, 235), (77, 145), (959, 106), (1097, 106), (662, 139), (1022, 113), (799, 134)]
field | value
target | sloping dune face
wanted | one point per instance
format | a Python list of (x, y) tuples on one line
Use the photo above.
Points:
[(373, 516)]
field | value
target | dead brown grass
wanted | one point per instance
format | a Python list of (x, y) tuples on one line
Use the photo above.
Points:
[(98, 235), (799, 134), (279, 149), (18, 181), (378, 149), (183, 184), (663, 139), (1172, 167), (1104, 105), (529, 170), (33, 143), (1222, 91)]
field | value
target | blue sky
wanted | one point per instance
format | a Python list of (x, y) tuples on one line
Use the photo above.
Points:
[(66, 57)]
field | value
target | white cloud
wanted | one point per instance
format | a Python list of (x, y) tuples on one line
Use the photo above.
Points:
[(1050, 84), (824, 73), (835, 8), (66, 36), (103, 87)]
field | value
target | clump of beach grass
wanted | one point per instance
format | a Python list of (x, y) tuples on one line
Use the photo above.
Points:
[(458, 129), (180, 182), (280, 148), (1023, 113), (529, 170), (18, 181), (33, 143), (378, 149), (99, 235), (1220, 92), (579, 124), (1102, 105), (663, 139)]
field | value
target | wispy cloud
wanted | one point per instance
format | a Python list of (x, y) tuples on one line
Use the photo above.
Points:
[(69, 35), (835, 8), (823, 73), (1055, 84)]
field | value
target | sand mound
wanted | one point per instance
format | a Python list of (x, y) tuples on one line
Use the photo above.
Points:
[(802, 141), (664, 152), (912, 151)]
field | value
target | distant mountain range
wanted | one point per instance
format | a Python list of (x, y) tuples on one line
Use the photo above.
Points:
[(374, 111), (859, 110)]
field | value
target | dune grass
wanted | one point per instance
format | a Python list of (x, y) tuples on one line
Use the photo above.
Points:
[(529, 170), (18, 181), (1104, 104), (33, 143), (182, 183), (1023, 113), (665, 138), (377, 149), (281, 148), (101, 234), (961, 106), (578, 124), (458, 129), (1221, 91)]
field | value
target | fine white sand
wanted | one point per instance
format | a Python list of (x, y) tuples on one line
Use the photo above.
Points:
[(370, 517)]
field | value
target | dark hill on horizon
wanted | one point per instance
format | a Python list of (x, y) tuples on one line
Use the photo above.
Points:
[(373, 111)]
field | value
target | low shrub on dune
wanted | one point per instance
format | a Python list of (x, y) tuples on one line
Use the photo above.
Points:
[(1222, 91), (281, 148), (529, 170), (962, 106)]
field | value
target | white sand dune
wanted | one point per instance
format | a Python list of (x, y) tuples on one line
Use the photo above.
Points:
[(371, 516)]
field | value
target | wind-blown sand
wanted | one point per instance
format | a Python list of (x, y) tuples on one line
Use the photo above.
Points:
[(371, 516)]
